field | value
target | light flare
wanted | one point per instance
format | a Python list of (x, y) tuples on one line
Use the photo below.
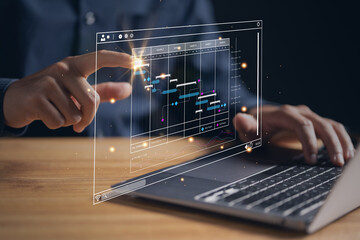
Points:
[(137, 63), (249, 149), (111, 149)]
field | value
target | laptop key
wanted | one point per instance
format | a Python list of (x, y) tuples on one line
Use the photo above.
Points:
[(287, 190)]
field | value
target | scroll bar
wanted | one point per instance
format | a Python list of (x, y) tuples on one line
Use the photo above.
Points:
[(257, 84)]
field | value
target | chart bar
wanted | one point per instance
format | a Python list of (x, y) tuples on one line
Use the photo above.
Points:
[(189, 95), (169, 91), (206, 96), (184, 84), (211, 103)]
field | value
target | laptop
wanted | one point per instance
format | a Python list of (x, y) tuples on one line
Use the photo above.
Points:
[(188, 83), (291, 194)]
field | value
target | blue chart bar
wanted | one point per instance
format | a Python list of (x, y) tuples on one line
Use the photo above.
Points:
[(155, 82), (189, 95), (140, 72), (213, 107), (201, 102), (169, 91)]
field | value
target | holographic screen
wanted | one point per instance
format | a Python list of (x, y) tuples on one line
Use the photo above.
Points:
[(188, 83)]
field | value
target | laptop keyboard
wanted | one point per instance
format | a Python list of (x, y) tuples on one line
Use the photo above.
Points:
[(297, 190)]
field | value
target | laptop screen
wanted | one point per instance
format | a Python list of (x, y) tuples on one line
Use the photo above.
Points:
[(188, 83)]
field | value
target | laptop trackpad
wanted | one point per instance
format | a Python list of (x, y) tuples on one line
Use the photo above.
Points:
[(227, 170)]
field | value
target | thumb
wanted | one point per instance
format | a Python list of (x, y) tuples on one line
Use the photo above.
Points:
[(113, 90), (245, 124)]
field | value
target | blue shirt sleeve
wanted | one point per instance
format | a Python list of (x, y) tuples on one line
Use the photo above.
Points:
[(6, 131)]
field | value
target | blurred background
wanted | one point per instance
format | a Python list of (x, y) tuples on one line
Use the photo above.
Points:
[(311, 52)]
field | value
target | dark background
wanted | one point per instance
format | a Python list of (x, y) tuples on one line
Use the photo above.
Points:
[(310, 54)]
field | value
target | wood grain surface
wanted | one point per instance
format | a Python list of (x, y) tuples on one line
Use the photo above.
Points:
[(46, 188)]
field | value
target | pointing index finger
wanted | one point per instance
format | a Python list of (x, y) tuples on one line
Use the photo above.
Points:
[(85, 64)]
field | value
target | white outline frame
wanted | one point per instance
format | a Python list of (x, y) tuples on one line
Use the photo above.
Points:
[(259, 91)]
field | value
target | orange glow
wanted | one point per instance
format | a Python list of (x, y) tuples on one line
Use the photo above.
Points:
[(112, 100), (244, 65), (137, 63), (222, 147), (112, 149), (191, 139), (249, 149), (145, 144), (244, 109)]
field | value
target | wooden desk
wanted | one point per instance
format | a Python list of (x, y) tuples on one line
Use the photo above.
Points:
[(46, 193)]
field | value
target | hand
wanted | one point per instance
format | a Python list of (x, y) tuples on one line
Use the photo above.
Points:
[(60, 96), (306, 124)]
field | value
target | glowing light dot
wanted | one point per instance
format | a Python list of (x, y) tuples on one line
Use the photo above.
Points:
[(222, 147), (191, 139), (162, 119), (179, 48), (137, 63), (147, 89), (249, 149), (89, 89), (220, 38), (111, 149), (244, 65), (244, 109), (213, 91), (145, 144), (112, 100), (182, 179)]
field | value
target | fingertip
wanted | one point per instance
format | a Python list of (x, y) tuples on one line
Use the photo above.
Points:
[(349, 154), (245, 122), (127, 88), (77, 128), (312, 159), (123, 91), (126, 60), (338, 159)]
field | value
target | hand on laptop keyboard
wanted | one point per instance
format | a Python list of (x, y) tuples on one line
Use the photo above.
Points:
[(306, 124)]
